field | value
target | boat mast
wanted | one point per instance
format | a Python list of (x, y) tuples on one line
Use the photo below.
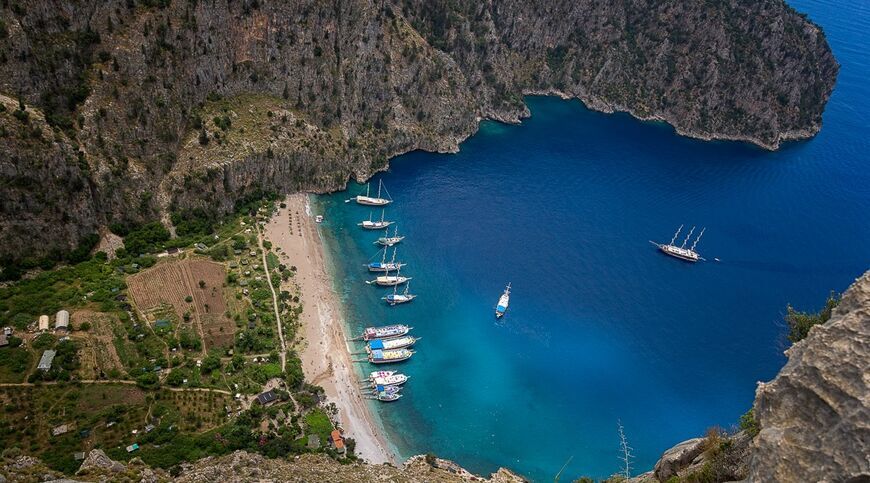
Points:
[(368, 186), (675, 235), (697, 239), (382, 216), (380, 183), (687, 238), (384, 258)]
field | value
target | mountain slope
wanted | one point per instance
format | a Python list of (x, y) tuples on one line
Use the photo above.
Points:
[(182, 105)]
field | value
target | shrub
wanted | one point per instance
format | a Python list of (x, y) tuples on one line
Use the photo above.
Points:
[(749, 424), (800, 323)]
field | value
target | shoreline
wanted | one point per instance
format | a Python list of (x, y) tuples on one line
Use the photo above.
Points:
[(322, 341)]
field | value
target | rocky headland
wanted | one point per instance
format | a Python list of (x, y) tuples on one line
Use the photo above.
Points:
[(117, 112)]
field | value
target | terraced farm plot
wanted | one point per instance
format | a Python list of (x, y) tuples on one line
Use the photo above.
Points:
[(175, 282), (96, 347)]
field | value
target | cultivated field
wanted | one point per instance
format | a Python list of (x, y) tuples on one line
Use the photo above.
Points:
[(172, 282), (96, 348)]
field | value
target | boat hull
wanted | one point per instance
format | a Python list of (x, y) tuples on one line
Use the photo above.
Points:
[(368, 201), (375, 226), (378, 267), (686, 257), (400, 299), (391, 281), (385, 332)]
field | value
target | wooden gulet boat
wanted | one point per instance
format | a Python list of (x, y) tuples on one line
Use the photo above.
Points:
[(373, 201), (383, 265), (387, 240), (376, 224)]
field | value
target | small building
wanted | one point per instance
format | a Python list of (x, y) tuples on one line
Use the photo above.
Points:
[(62, 429), (172, 251), (45, 361), (44, 323), (337, 440), (79, 456), (3, 340), (61, 320), (313, 441), (133, 447), (149, 428), (267, 398)]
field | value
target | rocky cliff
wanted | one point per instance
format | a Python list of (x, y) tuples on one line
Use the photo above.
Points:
[(244, 467), (162, 105), (814, 417)]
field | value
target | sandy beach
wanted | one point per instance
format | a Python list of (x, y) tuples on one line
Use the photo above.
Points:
[(322, 342)]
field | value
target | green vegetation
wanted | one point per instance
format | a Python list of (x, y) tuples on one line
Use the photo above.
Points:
[(318, 423), (749, 424), (90, 282), (800, 323), (14, 363)]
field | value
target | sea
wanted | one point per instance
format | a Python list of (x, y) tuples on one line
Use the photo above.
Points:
[(603, 331)]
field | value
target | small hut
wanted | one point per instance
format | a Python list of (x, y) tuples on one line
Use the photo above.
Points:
[(44, 323)]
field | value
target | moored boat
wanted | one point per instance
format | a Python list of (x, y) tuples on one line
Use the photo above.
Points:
[(503, 302), (385, 332), (373, 201), (681, 252), (384, 265), (388, 356), (389, 280), (387, 389), (385, 397), (396, 298), (375, 224), (389, 344), (389, 380), (375, 374), (387, 240)]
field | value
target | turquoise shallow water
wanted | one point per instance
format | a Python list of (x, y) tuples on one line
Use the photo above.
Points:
[(602, 328)]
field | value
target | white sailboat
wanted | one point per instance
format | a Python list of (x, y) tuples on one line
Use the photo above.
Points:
[(681, 252), (503, 302), (385, 332), (396, 298), (373, 201), (387, 240), (384, 265), (376, 224), (388, 280)]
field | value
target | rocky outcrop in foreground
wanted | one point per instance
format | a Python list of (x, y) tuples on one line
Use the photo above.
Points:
[(157, 106), (244, 467), (815, 415)]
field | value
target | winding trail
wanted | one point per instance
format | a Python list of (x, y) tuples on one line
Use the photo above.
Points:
[(111, 381), (274, 300)]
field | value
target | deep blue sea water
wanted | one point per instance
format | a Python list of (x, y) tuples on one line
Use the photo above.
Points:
[(601, 327)]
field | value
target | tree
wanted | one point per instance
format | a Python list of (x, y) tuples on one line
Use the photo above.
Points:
[(211, 363), (625, 452), (175, 378), (202, 284), (203, 137)]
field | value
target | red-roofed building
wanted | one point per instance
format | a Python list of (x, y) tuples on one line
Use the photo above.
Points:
[(337, 440)]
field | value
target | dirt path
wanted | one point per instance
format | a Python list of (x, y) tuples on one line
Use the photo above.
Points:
[(101, 381), (274, 300)]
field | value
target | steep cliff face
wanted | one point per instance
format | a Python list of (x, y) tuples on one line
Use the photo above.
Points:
[(815, 416), (340, 87)]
